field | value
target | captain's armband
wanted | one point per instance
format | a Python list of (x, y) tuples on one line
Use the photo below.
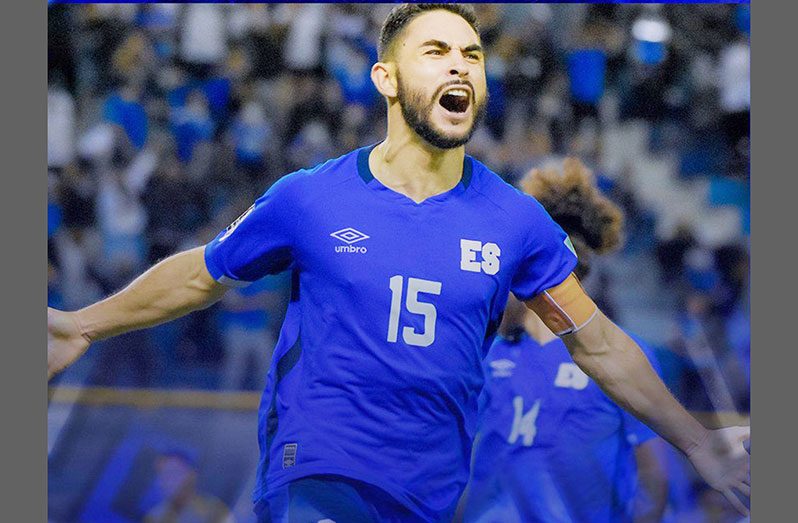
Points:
[(565, 308)]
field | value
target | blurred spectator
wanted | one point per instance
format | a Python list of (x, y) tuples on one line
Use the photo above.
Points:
[(61, 63), (177, 477), (265, 39), (203, 39), (217, 90), (533, 62), (191, 124), (350, 65), (121, 220), (253, 137), (732, 266), (214, 92), (176, 208), (700, 269), (587, 67), (134, 60), (250, 318), (303, 45), (158, 19), (77, 194), (61, 126), (313, 100), (96, 145), (497, 62), (671, 253), (124, 108), (105, 26), (311, 145), (735, 98), (76, 253)]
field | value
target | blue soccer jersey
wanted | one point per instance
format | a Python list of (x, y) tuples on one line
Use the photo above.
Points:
[(378, 368), (552, 447)]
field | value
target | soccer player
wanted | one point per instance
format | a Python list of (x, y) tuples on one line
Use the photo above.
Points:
[(552, 446), (403, 254)]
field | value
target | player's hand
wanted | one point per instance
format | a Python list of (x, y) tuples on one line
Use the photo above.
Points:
[(724, 463), (65, 343)]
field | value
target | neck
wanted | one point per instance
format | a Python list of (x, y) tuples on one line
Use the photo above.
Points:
[(407, 164)]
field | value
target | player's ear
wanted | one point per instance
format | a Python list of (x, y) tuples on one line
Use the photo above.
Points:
[(383, 75)]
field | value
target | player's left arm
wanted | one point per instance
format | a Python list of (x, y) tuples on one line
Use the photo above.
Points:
[(617, 364)]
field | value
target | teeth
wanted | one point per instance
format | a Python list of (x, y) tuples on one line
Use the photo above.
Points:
[(457, 92)]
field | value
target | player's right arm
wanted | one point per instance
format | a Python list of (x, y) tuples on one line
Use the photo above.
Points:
[(172, 288)]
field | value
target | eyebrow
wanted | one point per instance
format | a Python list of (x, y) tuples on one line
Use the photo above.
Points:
[(443, 45)]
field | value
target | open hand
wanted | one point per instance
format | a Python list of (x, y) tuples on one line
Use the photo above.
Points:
[(725, 464)]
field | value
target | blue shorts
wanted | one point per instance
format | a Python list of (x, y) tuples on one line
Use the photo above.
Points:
[(327, 498)]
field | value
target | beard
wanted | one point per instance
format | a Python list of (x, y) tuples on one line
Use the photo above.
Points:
[(417, 113)]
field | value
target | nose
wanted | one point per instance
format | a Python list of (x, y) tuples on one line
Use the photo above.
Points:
[(459, 66)]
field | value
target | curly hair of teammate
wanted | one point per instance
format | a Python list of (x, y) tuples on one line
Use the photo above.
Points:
[(570, 196)]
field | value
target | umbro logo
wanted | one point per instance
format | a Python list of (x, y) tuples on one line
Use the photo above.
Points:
[(502, 368), (350, 236)]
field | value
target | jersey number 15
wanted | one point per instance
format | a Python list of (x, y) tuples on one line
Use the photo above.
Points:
[(414, 287)]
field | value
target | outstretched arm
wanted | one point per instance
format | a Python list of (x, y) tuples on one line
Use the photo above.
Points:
[(620, 368), (615, 362), (172, 288)]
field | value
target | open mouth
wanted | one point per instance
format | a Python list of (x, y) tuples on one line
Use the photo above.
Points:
[(455, 100)]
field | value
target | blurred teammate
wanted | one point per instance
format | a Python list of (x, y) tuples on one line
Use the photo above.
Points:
[(176, 476), (553, 447), (402, 256)]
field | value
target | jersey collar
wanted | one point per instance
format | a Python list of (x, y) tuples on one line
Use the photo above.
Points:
[(364, 171)]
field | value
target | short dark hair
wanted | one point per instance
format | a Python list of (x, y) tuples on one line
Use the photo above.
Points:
[(403, 14)]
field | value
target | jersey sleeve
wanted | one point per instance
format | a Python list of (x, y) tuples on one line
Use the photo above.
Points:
[(260, 241), (636, 431), (548, 256)]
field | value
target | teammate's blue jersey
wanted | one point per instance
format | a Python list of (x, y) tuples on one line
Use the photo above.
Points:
[(377, 371), (552, 446)]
